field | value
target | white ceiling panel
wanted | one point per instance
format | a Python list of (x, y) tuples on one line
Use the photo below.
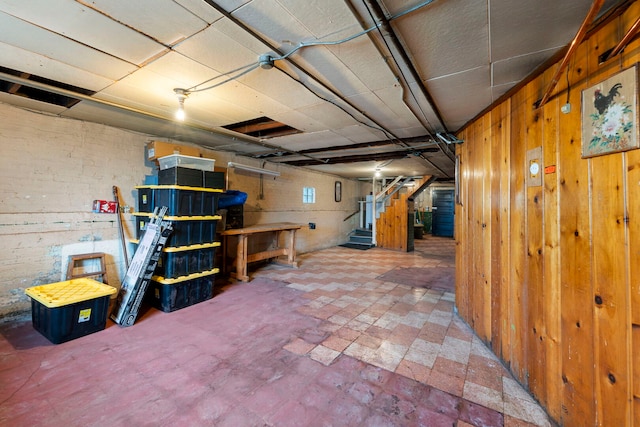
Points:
[(201, 9), (31, 104), (515, 69), (512, 34), (21, 34), (279, 87), (384, 116), (360, 133), (78, 22), (274, 21), (473, 90), (169, 24), (356, 56), (329, 69), (33, 63), (443, 41), (327, 20), (217, 50), (304, 141)]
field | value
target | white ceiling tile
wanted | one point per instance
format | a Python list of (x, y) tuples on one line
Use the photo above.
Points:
[(514, 69), (304, 141), (32, 63), (78, 22), (217, 50), (326, 20), (461, 96), (200, 9), (24, 35), (513, 34), (277, 86), (360, 133), (389, 112), (446, 37), (30, 104), (273, 21), (364, 61), (169, 24)]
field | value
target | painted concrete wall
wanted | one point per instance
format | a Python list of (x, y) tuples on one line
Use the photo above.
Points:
[(51, 170)]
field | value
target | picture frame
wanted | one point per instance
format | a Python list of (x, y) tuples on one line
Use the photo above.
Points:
[(610, 115), (338, 191)]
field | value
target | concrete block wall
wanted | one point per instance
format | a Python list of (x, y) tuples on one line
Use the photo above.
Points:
[(51, 170)]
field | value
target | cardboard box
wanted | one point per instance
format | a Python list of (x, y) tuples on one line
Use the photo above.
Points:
[(157, 149)]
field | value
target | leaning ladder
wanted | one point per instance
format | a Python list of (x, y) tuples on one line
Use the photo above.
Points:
[(141, 269)]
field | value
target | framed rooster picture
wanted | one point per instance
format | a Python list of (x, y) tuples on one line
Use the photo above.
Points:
[(610, 115)]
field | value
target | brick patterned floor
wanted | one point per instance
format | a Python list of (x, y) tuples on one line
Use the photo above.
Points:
[(380, 314), (328, 344)]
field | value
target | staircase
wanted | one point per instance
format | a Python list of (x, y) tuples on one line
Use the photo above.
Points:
[(359, 238)]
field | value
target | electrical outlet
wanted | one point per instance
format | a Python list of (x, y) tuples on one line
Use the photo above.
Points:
[(312, 226)]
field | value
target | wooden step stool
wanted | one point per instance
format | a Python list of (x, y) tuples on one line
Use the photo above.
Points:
[(74, 259)]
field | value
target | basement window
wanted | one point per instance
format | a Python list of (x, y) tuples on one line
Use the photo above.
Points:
[(262, 127), (308, 195), (39, 94)]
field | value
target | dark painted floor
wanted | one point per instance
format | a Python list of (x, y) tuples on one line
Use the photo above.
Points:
[(351, 338)]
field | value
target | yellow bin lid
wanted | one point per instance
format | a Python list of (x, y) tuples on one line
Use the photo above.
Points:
[(69, 292)]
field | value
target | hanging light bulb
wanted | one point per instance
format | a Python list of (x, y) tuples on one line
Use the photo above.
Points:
[(182, 95)]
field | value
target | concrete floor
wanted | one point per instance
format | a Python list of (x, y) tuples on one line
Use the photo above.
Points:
[(351, 338)]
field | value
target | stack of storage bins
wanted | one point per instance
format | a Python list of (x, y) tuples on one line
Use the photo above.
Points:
[(189, 188)]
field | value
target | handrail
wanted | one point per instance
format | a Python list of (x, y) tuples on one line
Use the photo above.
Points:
[(356, 212)]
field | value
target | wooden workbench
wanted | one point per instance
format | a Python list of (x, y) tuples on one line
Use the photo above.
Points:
[(243, 258)]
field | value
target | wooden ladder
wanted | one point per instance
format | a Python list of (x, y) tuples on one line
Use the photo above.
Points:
[(74, 259)]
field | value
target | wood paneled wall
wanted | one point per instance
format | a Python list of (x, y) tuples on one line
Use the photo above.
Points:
[(549, 276)]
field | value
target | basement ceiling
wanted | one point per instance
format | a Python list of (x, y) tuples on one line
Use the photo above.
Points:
[(347, 86)]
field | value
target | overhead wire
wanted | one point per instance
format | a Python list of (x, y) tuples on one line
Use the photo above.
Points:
[(301, 45)]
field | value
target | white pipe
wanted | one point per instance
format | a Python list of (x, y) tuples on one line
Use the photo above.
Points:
[(373, 212), (252, 169)]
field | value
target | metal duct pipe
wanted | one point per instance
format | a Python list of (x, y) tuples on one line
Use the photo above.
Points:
[(378, 14)]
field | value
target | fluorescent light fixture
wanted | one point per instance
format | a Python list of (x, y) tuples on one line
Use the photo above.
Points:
[(252, 169)]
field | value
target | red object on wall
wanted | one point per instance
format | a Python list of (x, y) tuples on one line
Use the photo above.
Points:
[(104, 206)]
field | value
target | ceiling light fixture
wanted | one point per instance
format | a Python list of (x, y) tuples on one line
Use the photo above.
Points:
[(182, 94)]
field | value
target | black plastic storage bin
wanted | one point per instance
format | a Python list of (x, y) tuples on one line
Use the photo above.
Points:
[(214, 180), (180, 200), (58, 315), (186, 230), (181, 176), (171, 297), (187, 260), (145, 200)]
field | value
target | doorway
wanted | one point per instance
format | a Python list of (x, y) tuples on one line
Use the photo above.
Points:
[(443, 211)]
